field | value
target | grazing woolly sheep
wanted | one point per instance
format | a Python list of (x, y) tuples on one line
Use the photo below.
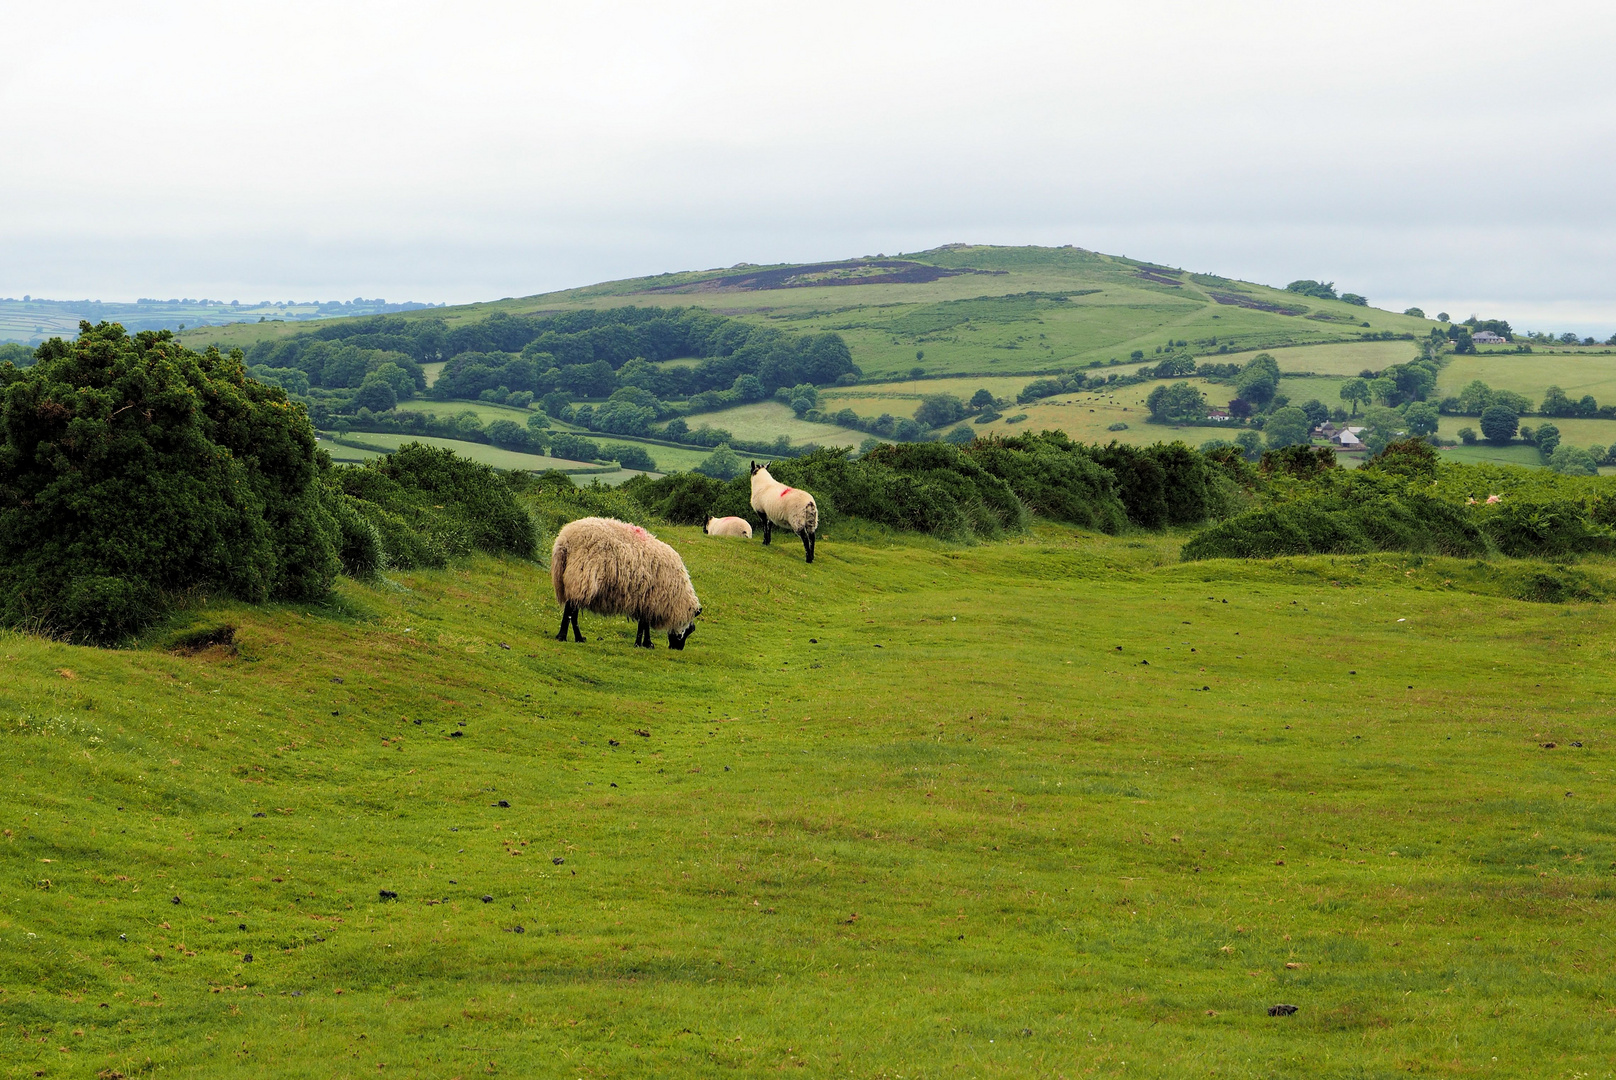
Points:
[(790, 508), (728, 526), (610, 567)]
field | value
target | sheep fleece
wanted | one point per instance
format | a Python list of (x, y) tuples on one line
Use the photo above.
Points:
[(792, 508), (729, 526), (610, 567)]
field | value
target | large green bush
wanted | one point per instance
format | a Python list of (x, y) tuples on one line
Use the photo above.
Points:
[(1055, 477), (429, 503), (133, 470)]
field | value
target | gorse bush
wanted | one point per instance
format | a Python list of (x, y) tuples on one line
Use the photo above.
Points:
[(1407, 499), (133, 470), (984, 489), (460, 505)]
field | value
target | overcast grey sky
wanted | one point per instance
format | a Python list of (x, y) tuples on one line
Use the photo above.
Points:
[(1459, 156)]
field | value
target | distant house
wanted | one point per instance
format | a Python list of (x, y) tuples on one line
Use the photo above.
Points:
[(1326, 430), (1347, 438), (1487, 337), (1218, 416)]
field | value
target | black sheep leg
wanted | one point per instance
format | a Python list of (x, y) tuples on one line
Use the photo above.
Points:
[(643, 637), (577, 635), (566, 614), (808, 543), (768, 530)]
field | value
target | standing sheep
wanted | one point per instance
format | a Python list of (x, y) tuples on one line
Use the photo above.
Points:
[(610, 567), (728, 526), (790, 508)]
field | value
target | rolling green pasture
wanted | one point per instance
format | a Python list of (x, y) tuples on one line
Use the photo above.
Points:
[(1344, 358), (768, 420), (1532, 374), (1054, 807), (1030, 311), (479, 452), (486, 411)]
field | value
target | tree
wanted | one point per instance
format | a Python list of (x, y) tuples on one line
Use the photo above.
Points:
[(1240, 408), (936, 410), (1548, 437), (1317, 412), (1177, 403), (1258, 381), (507, 434), (722, 464), (1385, 425), (1287, 427), (574, 447), (1556, 403), (1355, 392), (1467, 435), (376, 395), (1383, 389), (623, 418), (1354, 299), (1414, 311), (982, 399), (1442, 316), (1422, 418), (630, 456), (1573, 461), (677, 429), (960, 436), (1499, 423), (1319, 290), (1250, 444)]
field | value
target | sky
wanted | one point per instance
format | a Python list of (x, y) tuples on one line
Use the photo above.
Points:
[(1454, 156)]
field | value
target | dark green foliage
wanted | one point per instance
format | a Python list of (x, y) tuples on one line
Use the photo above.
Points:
[(1322, 290), (1550, 527), (1161, 485), (459, 503), (938, 410), (1055, 477), (691, 498), (1177, 403), (1353, 518), (133, 470), (555, 500), (722, 464), (630, 456), (360, 547), (1301, 462), (1499, 423), (574, 447)]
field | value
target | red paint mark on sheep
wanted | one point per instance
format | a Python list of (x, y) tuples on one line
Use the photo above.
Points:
[(784, 492)]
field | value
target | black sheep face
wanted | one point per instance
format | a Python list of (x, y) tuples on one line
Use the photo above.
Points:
[(677, 638)]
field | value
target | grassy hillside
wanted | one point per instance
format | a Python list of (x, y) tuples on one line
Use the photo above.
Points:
[(1018, 809), (1010, 310)]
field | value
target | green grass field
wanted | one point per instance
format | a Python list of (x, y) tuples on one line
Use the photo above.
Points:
[(1026, 311), (1061, 806), (765, 421), (1577, 374), (479, 452)]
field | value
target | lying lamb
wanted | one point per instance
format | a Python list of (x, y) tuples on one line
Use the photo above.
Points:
[(728, 526)]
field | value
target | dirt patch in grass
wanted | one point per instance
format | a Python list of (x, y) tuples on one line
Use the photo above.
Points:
[(861, 272), (1252, 303)]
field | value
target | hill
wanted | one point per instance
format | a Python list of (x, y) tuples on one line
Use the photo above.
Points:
[(1013, 809), (963, 321), (971, 310)]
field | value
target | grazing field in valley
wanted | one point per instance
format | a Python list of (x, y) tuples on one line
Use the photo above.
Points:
[(478, 452), (765, 421), (1055, 806)]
